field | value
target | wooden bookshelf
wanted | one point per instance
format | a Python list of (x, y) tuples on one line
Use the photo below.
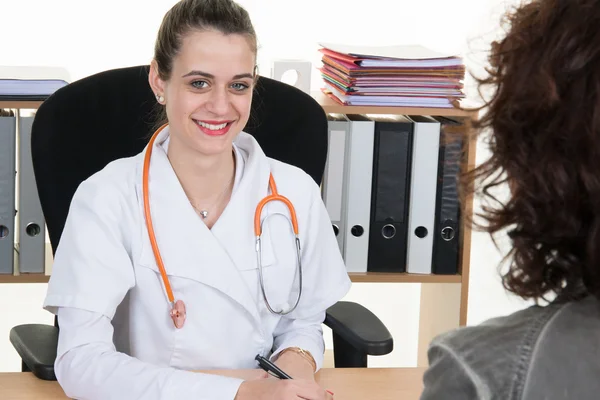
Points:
[(444, 298)]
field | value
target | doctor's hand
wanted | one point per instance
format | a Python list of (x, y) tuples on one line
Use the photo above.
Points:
[(281, 389)]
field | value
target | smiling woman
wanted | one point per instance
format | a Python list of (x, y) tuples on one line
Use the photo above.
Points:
[(203, 74), (157, 273)]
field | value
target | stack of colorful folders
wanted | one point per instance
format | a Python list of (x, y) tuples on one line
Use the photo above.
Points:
[(407, 76)]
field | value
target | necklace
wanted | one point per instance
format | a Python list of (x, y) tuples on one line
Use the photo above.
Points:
[(204, 211)]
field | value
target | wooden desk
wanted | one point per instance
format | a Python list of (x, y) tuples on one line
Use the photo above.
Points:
[(346, 384)]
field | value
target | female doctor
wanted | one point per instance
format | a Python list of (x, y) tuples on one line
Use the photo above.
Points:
[(157, 273)]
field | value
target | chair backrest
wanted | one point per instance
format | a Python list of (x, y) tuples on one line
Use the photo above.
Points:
[(93, 121)]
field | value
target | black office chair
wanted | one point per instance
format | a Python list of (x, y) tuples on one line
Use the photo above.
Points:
[(93, 121)]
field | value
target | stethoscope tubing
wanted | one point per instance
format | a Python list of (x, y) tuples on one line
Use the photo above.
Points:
[(274, 196)]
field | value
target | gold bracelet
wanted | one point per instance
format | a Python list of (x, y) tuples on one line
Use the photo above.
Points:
[(303, 353)]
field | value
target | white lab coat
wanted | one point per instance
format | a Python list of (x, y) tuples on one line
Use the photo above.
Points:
[(105, 277)]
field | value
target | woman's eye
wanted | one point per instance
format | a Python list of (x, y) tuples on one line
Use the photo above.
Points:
[(199, 84), (240, 86)]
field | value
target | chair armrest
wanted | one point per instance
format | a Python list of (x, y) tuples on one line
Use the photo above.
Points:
[(36, 345), (360, 328)]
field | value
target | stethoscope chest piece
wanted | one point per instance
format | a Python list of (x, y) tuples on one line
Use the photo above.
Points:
[(178, 314)]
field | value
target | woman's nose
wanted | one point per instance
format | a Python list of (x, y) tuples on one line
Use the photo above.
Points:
[(218, 103)]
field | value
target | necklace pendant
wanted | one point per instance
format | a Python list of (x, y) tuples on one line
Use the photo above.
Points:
[(204, 214), (178, 314)]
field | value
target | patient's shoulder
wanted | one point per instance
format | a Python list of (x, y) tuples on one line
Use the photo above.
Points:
[(499, 356), (497, 333)]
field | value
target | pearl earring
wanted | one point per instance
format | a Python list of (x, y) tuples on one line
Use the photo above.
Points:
[(160, 99)]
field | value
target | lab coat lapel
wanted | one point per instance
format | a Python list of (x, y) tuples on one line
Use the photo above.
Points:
[(239, 242), (188, 248)]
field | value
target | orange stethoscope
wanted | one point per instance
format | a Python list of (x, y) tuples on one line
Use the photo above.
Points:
[(178, 312)]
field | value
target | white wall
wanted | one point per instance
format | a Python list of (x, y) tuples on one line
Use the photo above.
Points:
[(88, 37)]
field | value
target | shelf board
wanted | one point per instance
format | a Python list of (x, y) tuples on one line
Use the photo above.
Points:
[(330, 106), (24, 278), (327, 103), (26, 105), (373, 277), (391, 277)]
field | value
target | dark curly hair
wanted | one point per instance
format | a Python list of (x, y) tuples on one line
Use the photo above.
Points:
[(543, 122)]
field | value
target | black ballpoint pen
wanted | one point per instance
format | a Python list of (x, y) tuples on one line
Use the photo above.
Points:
[(270, 367)]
